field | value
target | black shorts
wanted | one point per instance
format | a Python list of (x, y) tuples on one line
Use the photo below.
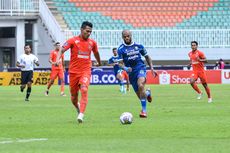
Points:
[(26, 76)]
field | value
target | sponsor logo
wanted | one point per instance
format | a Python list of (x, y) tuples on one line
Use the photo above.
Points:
[(225, 76)]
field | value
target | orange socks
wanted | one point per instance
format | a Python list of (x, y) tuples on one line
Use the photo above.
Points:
[(84, 99)]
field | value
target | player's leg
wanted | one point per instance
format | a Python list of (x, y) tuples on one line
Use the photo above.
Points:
[(23, 80), (203, 79), (142, 96), (138, 80), (193, 79), (121, 80), (126, 77), (53, 76), (29, 85), (74, 89), (61, 78), (84, 83)]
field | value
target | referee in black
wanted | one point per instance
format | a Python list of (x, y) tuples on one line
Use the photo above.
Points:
[(26, 62)]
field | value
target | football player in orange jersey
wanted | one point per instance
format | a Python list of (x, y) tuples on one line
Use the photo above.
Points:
[(56, 71), (197, 60), (81, 47)]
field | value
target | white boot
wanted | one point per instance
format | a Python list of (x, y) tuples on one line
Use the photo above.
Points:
[(80, 117)]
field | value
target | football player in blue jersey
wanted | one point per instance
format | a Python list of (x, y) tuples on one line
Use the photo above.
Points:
[(120, 74), (131, 53)]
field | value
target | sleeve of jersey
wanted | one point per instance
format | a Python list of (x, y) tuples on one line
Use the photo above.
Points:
[(120, 54), (67, 44), (110, 61), (51, 55), (201, 55), (19, 59), (143, 51), (35, 59), (95, 48)]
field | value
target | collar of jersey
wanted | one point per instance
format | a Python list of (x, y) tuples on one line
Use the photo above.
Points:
[(128, 45)]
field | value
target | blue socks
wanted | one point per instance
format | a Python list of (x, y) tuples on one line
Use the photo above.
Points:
[(143, 105)]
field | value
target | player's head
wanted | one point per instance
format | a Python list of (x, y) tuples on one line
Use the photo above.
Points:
[(127, 36), (86, 29), (115, 51), (27, 49), (57, 45), (194, 45)]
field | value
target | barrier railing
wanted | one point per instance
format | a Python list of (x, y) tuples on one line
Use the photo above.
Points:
[(207, 38), (19, 7)]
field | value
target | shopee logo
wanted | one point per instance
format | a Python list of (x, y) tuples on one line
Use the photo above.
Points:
[(176, 79)]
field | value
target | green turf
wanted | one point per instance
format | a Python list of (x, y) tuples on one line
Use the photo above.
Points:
[(176, 123)]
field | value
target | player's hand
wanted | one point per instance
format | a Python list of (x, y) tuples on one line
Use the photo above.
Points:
[(57, 63), (154, 73), (96, 64), (22, 66), (127, 69)]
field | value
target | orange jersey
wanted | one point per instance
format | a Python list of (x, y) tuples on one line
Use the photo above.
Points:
[(196, 65), (53, 57), (80, 58)]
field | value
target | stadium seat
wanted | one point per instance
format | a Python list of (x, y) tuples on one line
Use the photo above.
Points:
[(146, 14)]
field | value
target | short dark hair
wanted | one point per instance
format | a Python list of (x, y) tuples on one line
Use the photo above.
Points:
[(57, 43), (195, 42), (86, 23), (27, 45), (114, 49)]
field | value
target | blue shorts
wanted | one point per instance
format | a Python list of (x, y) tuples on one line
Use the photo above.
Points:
[(133, 77)]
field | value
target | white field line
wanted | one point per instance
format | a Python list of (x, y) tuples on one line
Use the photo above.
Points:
[(23, 140)]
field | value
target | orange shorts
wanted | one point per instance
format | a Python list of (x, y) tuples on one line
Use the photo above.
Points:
[(57, 73), (125, 75), (76, 80), (200, 74)]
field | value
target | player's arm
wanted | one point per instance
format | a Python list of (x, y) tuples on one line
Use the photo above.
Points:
[(111, 63), (63, 64), (20, 65), (121, 63), (202, 57), (98, 59), (36, 61), (96, 55), (65, 47), (148, 60), (60, 53), (50, 59)]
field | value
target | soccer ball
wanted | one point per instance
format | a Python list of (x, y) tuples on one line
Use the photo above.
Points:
[(126, 118)]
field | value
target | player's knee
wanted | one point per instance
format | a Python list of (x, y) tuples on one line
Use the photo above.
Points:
[(84, 89), (141, 87), (51, 81), (192, 81), (29, 84)]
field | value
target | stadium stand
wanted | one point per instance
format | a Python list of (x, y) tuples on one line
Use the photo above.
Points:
[(146, 14)]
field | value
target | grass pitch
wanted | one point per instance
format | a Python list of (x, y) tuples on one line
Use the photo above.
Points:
[(176, 123)]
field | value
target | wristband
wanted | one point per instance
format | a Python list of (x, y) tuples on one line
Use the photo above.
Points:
[(126, 68)]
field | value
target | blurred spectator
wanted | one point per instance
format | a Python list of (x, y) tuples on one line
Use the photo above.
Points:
[(220, 64)]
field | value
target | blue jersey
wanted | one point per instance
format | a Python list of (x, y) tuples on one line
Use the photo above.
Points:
[(131, 55), (116, 67)]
